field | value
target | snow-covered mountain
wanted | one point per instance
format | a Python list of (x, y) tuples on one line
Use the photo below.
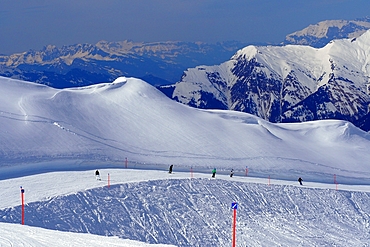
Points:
[(291, 83), (320, 34), (107, 123), (85, 64)]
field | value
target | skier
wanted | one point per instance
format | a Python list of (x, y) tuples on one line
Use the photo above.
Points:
[(214, 172), (97, 175), (300, 180), (170, 170), (232, 173)]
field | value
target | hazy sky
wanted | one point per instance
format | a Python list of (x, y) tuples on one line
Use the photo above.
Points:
[(26, 24)]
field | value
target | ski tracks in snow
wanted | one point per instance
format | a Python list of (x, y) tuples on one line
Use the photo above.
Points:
[(5, 242), (196, 212)]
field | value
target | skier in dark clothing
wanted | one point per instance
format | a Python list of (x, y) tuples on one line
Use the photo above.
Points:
[(214, 172), (170, 170), (300, 180), (97, 175), (232, 173)]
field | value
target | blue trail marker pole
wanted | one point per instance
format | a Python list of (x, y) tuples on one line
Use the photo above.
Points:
[(234, 206)]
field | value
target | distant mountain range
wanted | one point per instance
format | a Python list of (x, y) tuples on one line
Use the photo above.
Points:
[(318, 35), (159, 63), (85, 64), (286, 83)]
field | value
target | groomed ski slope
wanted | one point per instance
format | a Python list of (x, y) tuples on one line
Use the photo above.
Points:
[(188, 209)]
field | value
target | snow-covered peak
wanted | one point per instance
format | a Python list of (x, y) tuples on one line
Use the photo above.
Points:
[(120, 80), (355, 53), (363, 39), (320, 29), (247, 53)]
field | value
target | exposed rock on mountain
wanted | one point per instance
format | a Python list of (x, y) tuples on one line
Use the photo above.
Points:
[(285, 84)]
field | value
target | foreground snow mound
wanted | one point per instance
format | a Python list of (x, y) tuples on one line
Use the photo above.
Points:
[(78, 128), (196, 212), (18, 235)]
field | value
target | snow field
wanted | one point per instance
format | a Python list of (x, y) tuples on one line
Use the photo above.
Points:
[(160, 208)]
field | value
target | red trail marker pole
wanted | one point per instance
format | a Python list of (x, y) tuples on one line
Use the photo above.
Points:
[(22, 198), (246, 171), (191, 172), (335, 182), (108, 180), (234, 206)]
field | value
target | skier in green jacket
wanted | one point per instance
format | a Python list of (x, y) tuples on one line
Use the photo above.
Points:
[(214, 172)]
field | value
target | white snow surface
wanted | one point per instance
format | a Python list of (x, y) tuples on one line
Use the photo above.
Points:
[(18, 235), (52, 140), (181, 209), (67, 129)]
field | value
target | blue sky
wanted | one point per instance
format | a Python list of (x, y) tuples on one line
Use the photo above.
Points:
[(33, 24)]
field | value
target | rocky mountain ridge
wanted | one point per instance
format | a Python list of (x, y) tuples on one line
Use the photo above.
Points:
[(285, 83)]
